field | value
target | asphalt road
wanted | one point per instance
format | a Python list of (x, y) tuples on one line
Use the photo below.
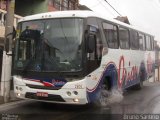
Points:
[(142, 102)]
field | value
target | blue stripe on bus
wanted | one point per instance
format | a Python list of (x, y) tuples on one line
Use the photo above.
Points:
[(110, 71)]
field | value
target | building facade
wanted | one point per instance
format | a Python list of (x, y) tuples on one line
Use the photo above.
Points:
[(54, 5), (30, 7), (3, 4)]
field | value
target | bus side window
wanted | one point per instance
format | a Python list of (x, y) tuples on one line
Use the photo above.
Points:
[(148, 42), (124, 38), (152, 40), (111, 34), (141, 41), (99, 48), (153, 44), (134, 41), (97, 54), (93, 28)]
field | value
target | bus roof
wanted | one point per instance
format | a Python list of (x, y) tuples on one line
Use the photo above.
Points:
[(75, 13)]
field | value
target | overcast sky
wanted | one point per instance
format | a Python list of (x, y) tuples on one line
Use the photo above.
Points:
[(144, 14)]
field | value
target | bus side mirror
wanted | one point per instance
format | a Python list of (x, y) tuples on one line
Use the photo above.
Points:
[(91, 43)]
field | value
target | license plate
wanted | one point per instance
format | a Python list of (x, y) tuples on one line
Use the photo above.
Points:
[(42, 94)]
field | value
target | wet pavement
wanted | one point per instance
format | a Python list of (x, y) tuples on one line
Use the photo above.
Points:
[(137, 102)]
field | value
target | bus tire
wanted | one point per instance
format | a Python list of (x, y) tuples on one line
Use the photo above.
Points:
[(105, 91), (140, 84)]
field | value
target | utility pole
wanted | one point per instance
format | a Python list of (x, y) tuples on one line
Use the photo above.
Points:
[(7, 58)]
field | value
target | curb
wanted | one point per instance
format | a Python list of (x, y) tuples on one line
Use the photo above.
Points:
[(11, 99)]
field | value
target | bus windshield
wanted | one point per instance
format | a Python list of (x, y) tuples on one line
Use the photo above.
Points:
[(49, 45)]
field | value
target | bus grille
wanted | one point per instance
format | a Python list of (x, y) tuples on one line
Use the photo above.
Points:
[(42, 87), (56, 98)]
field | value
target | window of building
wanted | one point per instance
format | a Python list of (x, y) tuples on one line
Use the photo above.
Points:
[(57, 4), (111, 35), (124, 38), (142, 41), (71, 5), (148, 42), (65, 5), (134, 41)]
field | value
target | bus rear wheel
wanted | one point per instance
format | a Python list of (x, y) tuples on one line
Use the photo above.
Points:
[(140, 84)]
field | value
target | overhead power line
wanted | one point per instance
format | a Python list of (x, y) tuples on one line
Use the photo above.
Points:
[(96, 4), (112, 7), (105, 7)]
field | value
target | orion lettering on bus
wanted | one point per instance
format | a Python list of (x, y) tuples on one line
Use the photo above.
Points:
[(124, 75), (58, 82)]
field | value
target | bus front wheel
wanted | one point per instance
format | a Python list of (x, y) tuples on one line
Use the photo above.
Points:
[(105, 91)]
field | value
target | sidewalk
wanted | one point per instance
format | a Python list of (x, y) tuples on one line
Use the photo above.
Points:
[(12, 97)]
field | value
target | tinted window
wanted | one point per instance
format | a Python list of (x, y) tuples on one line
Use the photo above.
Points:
[(142, 41), (134, 39), (148, 42), (111, 35), (124, 38), (152, 40), (50, 45)]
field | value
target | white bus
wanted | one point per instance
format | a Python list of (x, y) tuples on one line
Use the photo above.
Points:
[(71, 56)]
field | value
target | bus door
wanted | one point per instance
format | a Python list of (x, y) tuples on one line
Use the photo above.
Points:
[(94, 45)]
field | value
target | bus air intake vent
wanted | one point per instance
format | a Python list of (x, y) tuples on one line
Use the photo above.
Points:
[(56, 98), (42, 87)]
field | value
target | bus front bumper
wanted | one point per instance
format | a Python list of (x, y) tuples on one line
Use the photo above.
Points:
[(66, 95)]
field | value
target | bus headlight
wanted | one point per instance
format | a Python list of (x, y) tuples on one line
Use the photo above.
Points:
[(16, 87), (69, 93), (75, 92), (20, 89)]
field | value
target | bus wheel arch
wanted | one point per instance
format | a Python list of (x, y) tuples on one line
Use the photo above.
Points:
[(105, 90), (107, 83)]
